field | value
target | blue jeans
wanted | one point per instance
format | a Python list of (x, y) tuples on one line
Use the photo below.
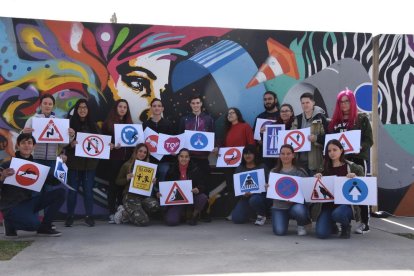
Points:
[(280, 217), (341, 214), (85, 179), (25, 215), (256, 203)]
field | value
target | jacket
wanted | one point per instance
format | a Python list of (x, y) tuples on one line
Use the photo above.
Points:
[(193, 173)]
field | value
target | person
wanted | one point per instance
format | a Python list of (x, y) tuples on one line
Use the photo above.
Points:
[(328, 214), (346, 117), (282, 211), (251, 203), (238, 133), (186, 169), (314, 117), (20, 207), (287, 116), (81, 170), (272, 112), (46, 153), (160, 125), (136, 208), (119, 114)]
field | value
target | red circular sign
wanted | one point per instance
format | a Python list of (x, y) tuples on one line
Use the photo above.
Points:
[(172, 144), (27, 175), (232, 156), (286, 187), (93, 145), (152, 142), (296, 139)]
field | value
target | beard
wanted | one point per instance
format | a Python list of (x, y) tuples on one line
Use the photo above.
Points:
[(269, 107)]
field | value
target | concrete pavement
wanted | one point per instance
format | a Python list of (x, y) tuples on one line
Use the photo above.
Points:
[(213, 248)]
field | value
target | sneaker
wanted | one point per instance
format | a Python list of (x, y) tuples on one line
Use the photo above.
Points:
[(46, 231), (301, 231), (89, 221), (9, 231), (362, 229), (118, 217), (111, 219), (345, 232), (228, 218), (261, 220), (68, 222)]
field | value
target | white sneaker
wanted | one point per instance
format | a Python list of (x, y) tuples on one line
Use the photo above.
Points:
[(111, 219), (118, 217), (362, 228), (302, 231), (260, 220)]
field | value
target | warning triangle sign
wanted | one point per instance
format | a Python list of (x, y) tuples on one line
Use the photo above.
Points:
[(51, 133), (176, 195), (320, 192), (345, 143)]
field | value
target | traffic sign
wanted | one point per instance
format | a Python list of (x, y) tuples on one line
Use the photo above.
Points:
[(50, 133), (249, 182), (232, 156), (199, 141), (93, 145), (345, 143), (27, 175), (355, 190), (296, 139), (286, 187)]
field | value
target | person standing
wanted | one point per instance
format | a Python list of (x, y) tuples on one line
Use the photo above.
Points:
[(160, 125), (119, 114), (314, 117), (272, 112), (346, 117), (81, 170)]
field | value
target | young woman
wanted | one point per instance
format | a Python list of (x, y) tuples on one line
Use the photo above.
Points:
[(119, 114), (46, 153), (287, 116), (185, 169), (251, 203), (346, 117), (282, 211), (81, 169), (328, 214), (136, 208)]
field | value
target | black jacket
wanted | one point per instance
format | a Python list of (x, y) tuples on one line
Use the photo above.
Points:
[(193, 173)]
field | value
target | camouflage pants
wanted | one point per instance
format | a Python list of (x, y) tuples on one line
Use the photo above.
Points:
[(137, 208)]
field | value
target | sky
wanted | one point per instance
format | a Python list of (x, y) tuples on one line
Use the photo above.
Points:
[(377, 17)]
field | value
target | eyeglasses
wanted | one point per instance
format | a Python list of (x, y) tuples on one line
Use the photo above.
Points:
[(344, 102), (231, 112), (285, 111)]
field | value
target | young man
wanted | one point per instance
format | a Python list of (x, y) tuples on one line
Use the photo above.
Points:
[(157, 123), (313, 117), (20, 206), (272, 112)]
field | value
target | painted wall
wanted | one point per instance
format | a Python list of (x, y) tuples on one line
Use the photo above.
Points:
[(105, 62)]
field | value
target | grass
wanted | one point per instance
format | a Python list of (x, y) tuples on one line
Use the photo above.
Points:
[(9, 249), (406, 235)]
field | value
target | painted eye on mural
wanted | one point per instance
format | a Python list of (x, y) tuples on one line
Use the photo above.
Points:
[(139, 84)]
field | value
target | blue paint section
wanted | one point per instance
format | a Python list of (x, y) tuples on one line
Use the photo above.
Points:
[(363, 96)]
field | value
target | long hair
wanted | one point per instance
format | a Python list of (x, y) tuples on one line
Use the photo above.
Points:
[(279, 164), (113, 117), (227, 124), (250, 149), (134, 154), (279, 120), (75, 121), (327, 161), (338, 116)]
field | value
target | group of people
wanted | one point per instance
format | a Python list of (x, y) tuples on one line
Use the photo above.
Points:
[(20, 206)]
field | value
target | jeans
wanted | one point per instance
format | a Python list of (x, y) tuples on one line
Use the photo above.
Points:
[(85, 179), (280, 217), (24, 216), (256, 203), (341, 214)]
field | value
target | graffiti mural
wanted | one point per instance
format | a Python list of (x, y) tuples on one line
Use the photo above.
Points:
[(228, 67)]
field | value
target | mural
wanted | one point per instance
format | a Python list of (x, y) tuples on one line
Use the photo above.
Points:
[(228, 67)]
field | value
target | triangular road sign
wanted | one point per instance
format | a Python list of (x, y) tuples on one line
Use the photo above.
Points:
[(51, 133), (176, 195), (320, 192), (345, 143)]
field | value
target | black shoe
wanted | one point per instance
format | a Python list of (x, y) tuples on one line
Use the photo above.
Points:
[(192, 221), (47, 231), (68, 221), (9, 231), (346, 232), (89, 221)]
